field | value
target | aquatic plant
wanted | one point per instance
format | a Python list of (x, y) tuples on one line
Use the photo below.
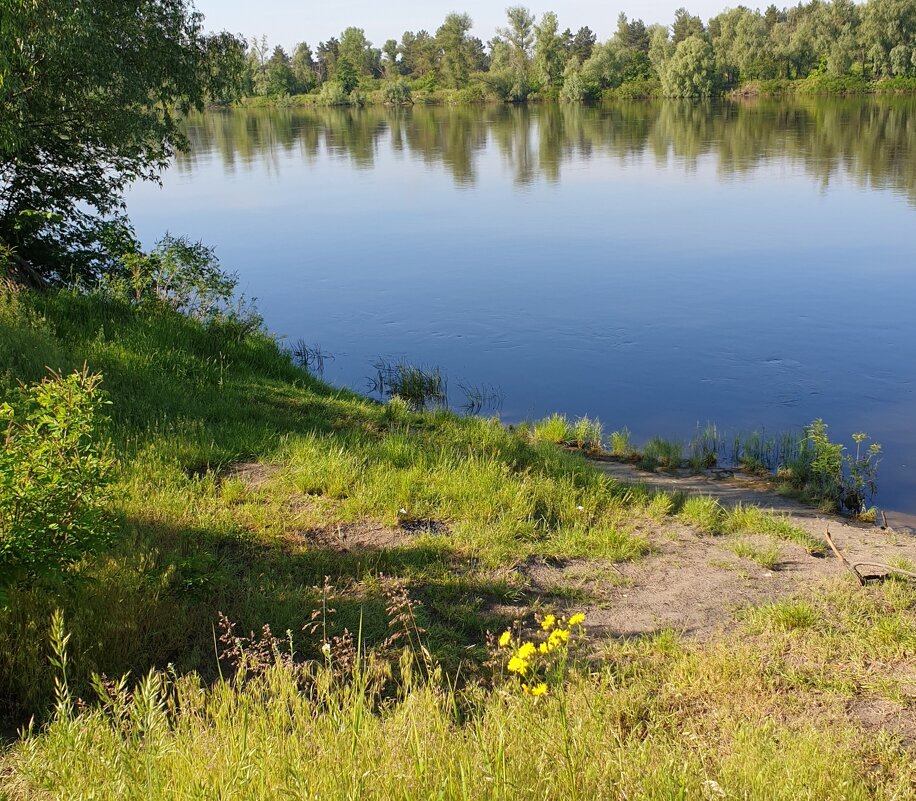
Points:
[(420, 387), (310, 357), (704, 449), (661, 453), (621, 443), (480, 397)]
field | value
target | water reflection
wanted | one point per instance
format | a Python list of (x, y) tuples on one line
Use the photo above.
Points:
[(872, 140)]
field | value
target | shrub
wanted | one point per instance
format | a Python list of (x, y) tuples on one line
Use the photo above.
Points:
[(822, 470), (185, 276), (475, 93), (397, 93), (54, 473), (333, 94)]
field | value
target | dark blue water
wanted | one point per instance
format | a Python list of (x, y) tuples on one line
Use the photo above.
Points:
[(655, 265)]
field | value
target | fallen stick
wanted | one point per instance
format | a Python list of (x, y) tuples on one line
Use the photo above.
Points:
[(854, 568), (845, 562)]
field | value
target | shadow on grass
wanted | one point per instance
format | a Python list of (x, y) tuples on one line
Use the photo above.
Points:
[(155, 602)]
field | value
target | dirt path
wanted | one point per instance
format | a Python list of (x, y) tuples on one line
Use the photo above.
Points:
[(695, 583), (692, 582)]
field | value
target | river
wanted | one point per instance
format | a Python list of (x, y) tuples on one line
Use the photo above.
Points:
[(657, 265)]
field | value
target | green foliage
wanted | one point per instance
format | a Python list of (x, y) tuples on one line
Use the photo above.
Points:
[(691, 71), (419, 387), (457, 56), (555, 429), (789, 615), (767, 555), (823, 471), (333, 94), (704, 449), (705, 513), (54, 476), (586, 433), (397, 93), (346, 75), (665, 718), (89, 102), (179, 273), (661, 453), (549, 53), (621, 443)]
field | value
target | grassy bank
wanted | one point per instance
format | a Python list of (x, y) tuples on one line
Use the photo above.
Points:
[(826, 85), (649, 88), (249, 488)]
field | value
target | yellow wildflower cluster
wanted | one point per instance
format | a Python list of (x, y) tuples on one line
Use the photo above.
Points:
[(529, 661)]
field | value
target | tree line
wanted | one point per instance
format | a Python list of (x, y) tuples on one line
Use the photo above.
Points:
[(530, 56)]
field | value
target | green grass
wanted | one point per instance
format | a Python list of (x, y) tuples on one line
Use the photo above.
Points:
[(189, 401), (653, 718), (586, 433), (747, 519), (661, 718), (712, 517), (705, 513), (555, 429), (785, 616), (661, 454), (766, 555), (621, 443)]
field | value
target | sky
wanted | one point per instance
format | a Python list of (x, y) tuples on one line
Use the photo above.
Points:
[(287, 22)]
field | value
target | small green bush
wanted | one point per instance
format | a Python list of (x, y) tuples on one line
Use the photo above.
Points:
[(54, 474)]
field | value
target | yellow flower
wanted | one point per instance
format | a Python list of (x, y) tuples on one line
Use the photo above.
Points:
[(518, 665), (549, 622), (539, 689), (577, 619), (557, 637), (544, 648), (505, 639), (527, 651)]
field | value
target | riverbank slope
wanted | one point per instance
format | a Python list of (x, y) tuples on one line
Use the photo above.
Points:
[(248, 489)]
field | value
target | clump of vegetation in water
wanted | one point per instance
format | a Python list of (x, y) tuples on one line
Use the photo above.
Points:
[(310, 357), (585, 433), (622, 443), (480, 397), (704, 449), (419, 387), (661, 454)]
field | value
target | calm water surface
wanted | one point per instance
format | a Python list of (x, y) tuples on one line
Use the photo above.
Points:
[(655, 265)]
